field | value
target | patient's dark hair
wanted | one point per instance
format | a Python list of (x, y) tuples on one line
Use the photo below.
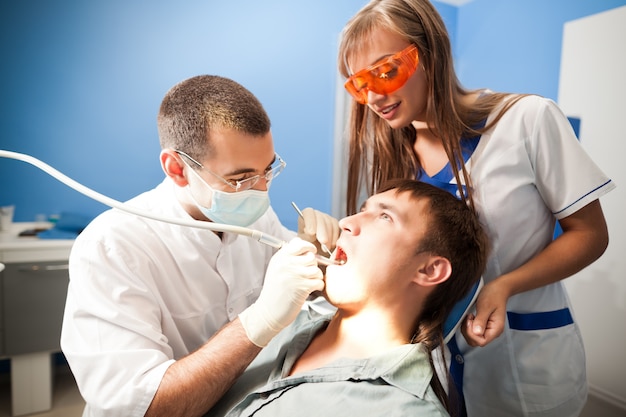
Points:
[(455, 233)]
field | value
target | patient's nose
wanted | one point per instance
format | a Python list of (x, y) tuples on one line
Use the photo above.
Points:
[(350, 224)]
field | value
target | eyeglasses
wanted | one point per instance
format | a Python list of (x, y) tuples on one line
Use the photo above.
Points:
[(270, 173), (384, 77)]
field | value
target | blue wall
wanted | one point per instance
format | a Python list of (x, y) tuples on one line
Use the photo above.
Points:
[(515, 45), (82, 82)]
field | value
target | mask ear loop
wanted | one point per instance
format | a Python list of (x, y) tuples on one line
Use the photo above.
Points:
[(193, 173)]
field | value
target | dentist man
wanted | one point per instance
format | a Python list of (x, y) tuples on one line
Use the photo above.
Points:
[(161, 319)]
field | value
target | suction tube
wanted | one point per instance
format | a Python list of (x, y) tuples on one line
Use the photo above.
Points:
[(216, 227)]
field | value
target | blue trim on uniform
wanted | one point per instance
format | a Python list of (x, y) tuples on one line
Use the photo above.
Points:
[(442, 180), (540, 321), (457, 364), (458, 311), (444, 185), (592, 191)]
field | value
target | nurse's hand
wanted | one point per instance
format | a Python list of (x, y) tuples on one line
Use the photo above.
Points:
[(318, 228), (488, 323), (291, 276)]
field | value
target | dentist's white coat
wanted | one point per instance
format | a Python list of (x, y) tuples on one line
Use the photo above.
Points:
[(143, 294)]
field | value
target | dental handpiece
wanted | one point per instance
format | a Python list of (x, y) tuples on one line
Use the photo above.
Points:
[(326, 261), (278, 243)]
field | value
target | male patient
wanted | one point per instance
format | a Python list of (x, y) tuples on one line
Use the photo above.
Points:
[(410, 254)]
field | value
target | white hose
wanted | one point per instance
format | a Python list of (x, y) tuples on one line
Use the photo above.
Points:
[(216, 227)]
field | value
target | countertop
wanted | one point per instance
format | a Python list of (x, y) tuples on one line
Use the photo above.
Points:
[(15, 248)]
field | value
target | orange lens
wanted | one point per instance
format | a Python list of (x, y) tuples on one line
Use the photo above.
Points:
[(385, 76)]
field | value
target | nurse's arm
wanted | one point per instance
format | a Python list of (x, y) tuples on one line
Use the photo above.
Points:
[(584, 239)]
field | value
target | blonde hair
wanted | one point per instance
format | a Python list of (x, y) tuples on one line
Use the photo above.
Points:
[(389, 152)]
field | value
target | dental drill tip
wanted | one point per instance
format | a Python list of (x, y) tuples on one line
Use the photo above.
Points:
[(327, 261)]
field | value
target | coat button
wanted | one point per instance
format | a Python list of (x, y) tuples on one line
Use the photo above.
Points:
[(459, 359)]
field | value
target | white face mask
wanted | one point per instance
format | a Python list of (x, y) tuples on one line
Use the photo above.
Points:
[(238, 209)]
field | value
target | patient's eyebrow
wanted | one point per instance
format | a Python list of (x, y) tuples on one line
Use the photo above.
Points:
[(381, 206), (388, 207), (398, 213), (401, 215)]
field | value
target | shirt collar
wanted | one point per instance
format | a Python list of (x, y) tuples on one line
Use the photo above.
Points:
[(406, 367)]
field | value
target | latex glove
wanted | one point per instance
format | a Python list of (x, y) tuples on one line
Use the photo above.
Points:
[(318, 227), (292, 274)]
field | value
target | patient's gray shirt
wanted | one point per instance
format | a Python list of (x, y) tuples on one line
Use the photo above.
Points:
[(396, 383)]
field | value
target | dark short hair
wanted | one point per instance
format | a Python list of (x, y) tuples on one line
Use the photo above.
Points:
[(195, 107), (455, 233)]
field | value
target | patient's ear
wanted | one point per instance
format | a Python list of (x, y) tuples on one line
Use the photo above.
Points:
[(436, 270), (173, 167)]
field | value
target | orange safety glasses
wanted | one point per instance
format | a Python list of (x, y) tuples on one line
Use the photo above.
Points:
[(384, 77)]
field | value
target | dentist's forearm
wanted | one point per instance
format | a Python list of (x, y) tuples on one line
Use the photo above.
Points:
[(193, 384)]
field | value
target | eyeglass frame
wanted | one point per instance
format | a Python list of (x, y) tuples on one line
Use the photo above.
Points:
[(402, 56), (237, 184)]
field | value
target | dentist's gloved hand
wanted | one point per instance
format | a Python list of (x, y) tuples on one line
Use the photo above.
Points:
[(318, 227), (292, 274)]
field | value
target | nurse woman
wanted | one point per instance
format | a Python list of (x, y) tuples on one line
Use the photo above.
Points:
[(516, 159)]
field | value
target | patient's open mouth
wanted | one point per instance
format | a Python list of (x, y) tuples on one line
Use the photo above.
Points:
[(340, 256)]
